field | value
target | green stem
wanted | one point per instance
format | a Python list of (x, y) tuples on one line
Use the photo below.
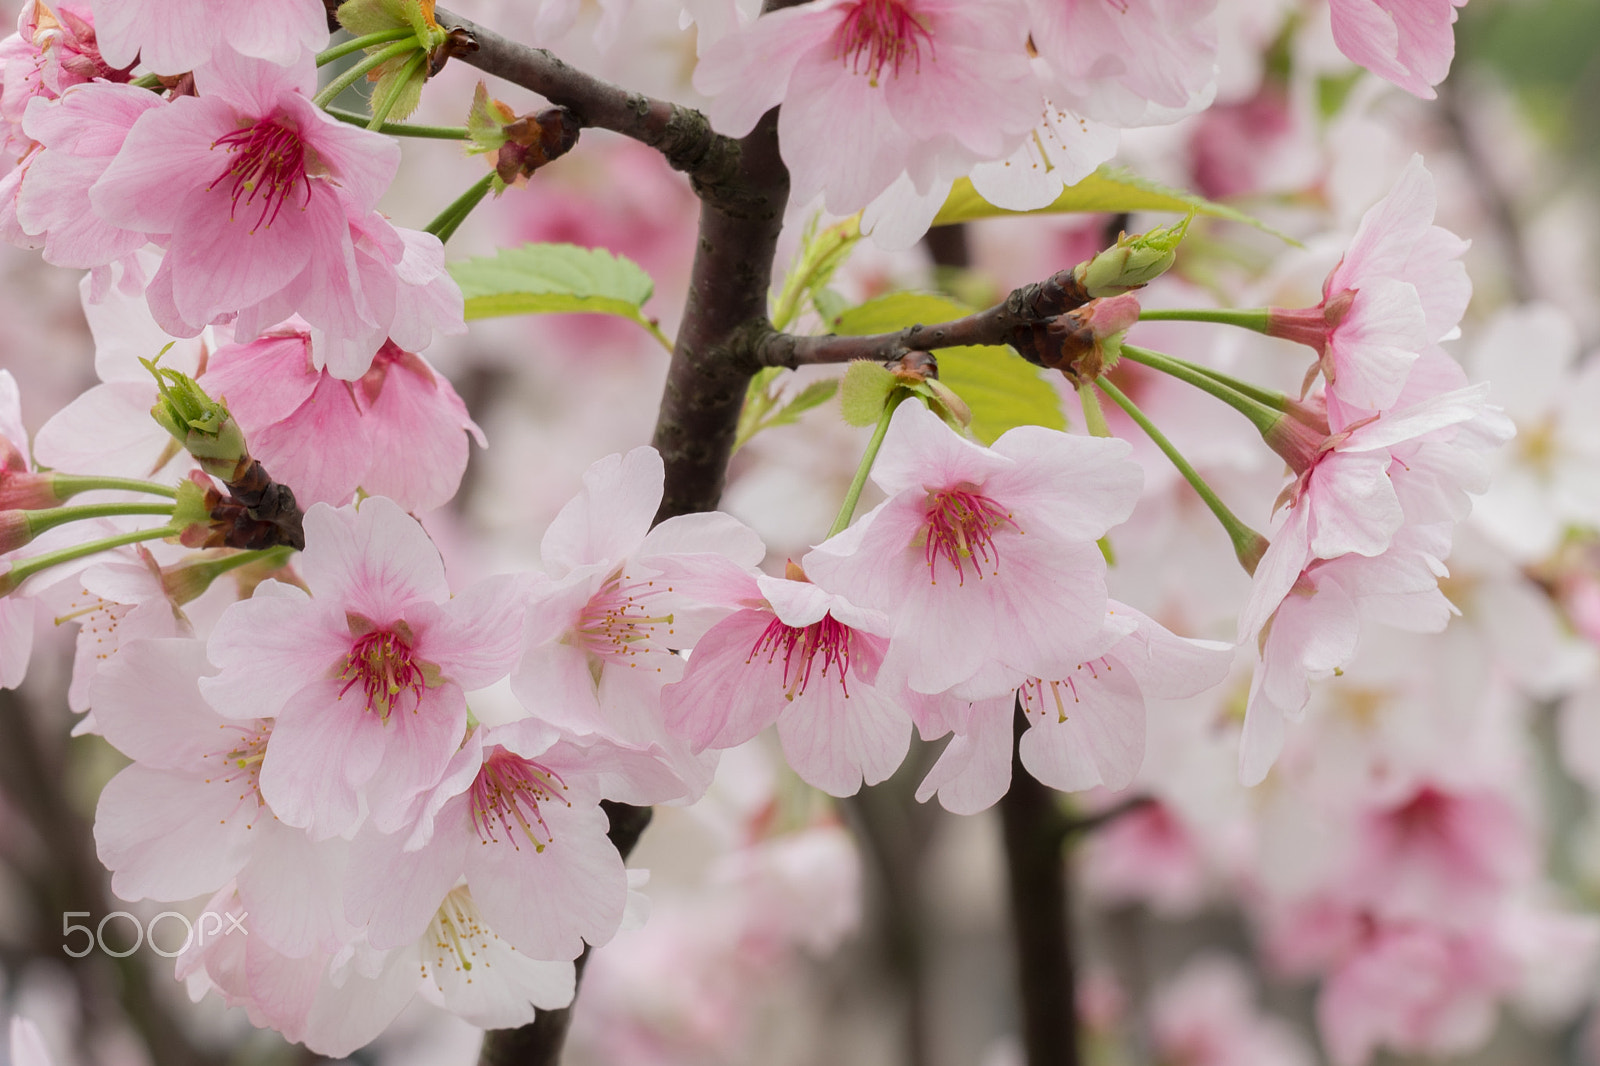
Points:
[(451, 217), (1262, 416), (51, 517), (148, 81), (383, 106), (1094, 419), (1252, 319), (190, 580), (23, 569), (68, 485), (1270, 397), (852, 495), (1248, 545), (400, 129), (331, 91), (356, 44)]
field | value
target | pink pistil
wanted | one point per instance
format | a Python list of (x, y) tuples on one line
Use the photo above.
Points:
[(801, 645), (269, 161), (961, 526), (380, 662), (880, 33), (508, 790)]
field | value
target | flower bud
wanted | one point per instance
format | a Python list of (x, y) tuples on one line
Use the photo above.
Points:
[(1132, 262), (200, 424), (1083, 343)]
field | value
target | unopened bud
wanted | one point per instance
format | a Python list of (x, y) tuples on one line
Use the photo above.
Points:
[(1083, 343), (200, 424), (1132, 262), (534, 140)]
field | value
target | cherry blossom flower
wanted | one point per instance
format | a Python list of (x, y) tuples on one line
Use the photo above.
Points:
[(1408, 42), (1399, 289), (80, 135), (174, 36), (601, 634), (518, 815), (1206, 1016), (1086, 727), (928, 87), (807, 660), (399, 431), (983, 558), (365, 675), (253, 191), (27, 1045), (16, 612), (53, 49)]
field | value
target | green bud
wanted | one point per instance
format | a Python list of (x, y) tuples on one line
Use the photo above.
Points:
[(200, 424), (1133, 262)]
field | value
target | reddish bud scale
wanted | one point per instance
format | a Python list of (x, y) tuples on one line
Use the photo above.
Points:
[(801, 645)]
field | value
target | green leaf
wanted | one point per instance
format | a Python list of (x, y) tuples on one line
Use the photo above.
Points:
[(813, 395), (1002, 389), (1110, 189), (548, 278), (865, 390)]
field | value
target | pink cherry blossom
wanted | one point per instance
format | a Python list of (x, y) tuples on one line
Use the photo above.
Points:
[(27, 1045), (517, 814), (1206, 1016), (928, 87), (602, 631), (253, 190), (16, 612), (983, 558), (80, 133), (1398, 290), (1086, 727), (174, 36), (1136, 63), (1408, 42), (52, 50), (365, 675), (399, 431), (807, 660)]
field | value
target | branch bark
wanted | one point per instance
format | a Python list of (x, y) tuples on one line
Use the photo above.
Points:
[(1011, 321), (1034, 829)]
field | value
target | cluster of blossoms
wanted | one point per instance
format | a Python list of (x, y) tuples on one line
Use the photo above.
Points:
[(1024, 97), (410, 791)]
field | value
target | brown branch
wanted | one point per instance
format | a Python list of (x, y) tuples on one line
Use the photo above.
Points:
[(681, 134), (1013, 321), (1033, 828)]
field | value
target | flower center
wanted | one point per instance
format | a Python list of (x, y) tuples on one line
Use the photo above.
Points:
[(881, 33), (1041, 697), (380, 663), (801, 646), (961, 527), (269, 162), (617, 622), (507, 792), (457, 934), (238, 765)]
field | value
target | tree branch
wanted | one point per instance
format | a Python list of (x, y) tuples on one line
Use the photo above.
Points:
[(1034, 828), (681, 134), (1012, 321)]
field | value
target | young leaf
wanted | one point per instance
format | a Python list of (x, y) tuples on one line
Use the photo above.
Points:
[(1002, 389), (546, 278), (1111, 190)]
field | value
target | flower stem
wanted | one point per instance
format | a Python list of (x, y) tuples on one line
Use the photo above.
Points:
[(51, 517), (1260, 412), (23, 569), (852, 495), (331, 91), (339, 51), (1271, 397), (383, 106), (1252, 319), (400, 129), (1248, 545), (451, 217), (67, 485)]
